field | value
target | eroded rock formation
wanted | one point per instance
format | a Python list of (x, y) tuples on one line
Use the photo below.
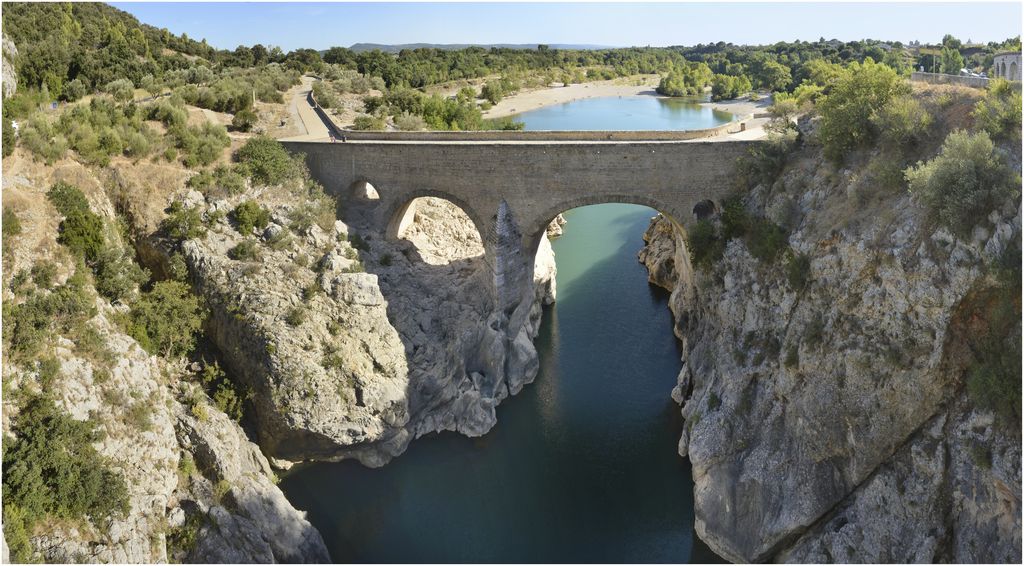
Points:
[(830, 423)]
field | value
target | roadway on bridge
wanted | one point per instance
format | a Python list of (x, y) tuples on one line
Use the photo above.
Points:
[(315, 128)]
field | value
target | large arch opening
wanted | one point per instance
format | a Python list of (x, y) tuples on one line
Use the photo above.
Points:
[(439, 230)]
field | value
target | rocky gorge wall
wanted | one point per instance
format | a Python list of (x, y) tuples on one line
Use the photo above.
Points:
[(394, 340), (198, 490), (831, 424)]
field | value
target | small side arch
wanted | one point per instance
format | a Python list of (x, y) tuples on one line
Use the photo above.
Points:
[(362, 190)]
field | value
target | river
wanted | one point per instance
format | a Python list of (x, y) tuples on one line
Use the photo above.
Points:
[(582, 465), (625, 113)]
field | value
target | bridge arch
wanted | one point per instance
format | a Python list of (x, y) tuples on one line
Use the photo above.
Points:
[(401, 224), (537, 229), (362, 190)]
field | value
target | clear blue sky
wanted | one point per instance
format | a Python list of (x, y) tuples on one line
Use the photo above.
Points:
[(322, 25)]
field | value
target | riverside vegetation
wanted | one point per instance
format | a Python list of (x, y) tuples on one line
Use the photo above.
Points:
[(139, 327)]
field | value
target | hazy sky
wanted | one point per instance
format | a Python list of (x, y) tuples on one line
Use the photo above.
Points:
[(322, 25)]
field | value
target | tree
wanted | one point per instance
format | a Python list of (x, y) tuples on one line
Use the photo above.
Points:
[(951, 61), (688, 80), (773, 76), (121, 89), (491, 92), (846, 112)]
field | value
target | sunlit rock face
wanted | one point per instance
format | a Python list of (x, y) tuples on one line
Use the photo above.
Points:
[(830, 423)]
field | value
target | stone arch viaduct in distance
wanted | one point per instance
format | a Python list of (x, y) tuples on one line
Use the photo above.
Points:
[(512, 189)]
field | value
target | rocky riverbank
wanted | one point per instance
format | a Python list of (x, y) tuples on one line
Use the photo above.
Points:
[(826, 413)]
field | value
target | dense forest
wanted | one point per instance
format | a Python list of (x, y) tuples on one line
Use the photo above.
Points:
[(66, 51)]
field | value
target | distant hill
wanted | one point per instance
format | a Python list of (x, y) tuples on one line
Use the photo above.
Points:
[(453, 46)]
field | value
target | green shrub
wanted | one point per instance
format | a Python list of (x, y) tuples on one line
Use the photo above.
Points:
[(27, 325), (225, 393), (177, 268), (82, 233), (369, 123), (183, 223), (994, 375), (792, 357), (81, 230), (726, 87), (11, 224), (43, 273), (200, 145), (74, 90), (244, 120), (11, 227), (296, 316), (9, 139), (999, 113), (167, 319), (67, 199), (735, 220), (319, 211), (117, 275), (267, 160), (704, 245), (766, 161), (410, 122), (492, 92), (222, 180), (51, 469), (246, 250), (965, 182), (250, 215), (814, 332), (690, 79), (798, 271), (766, 240), (358, 242), (902, 121)]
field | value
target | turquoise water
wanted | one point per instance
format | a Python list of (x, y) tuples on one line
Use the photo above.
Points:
[(582, 465), (624, 113)]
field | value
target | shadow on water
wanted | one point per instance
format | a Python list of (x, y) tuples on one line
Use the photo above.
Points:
[(582, 465)]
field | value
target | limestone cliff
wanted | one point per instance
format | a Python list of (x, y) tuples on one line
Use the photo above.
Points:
[(830, 423), (198, 489), (354, 346)]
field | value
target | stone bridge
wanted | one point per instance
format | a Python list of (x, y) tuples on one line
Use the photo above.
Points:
[(512, 190)]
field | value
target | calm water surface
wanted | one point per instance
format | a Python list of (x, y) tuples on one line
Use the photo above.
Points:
[(625, 113), (582, 465)]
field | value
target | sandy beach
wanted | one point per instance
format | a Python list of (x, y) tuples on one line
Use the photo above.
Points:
[(538, 98)]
